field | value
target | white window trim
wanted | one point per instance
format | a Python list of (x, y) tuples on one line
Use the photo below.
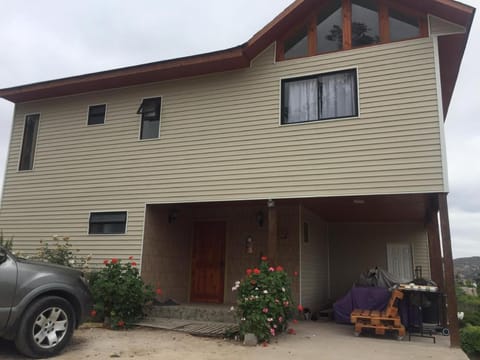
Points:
[(104, 118)]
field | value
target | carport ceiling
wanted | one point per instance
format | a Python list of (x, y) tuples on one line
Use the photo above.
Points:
[(382, 208)]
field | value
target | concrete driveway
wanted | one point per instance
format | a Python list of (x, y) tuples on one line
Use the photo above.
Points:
[(314, 340)]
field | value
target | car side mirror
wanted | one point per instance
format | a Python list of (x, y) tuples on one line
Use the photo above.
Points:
[(3, 255)]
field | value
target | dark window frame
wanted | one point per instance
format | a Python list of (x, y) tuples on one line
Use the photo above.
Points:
[(317, 76), (92, 115), (27, 160), (147, 107), (99, 226)]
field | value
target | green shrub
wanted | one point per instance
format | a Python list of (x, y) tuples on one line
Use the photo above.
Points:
[(264, 301), (119, 294), (470, 339), (60, 253), (6, 243), (470, 318), (470, 306)]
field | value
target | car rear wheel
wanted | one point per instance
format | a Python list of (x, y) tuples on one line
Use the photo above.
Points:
[(46, 327)]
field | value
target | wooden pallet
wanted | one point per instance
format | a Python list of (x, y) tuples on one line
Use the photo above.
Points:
[(380, 321), (374, 318), (381, 329)]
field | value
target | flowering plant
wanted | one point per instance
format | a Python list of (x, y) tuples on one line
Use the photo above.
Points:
[(119, 293), (264, 301), (61, 252)]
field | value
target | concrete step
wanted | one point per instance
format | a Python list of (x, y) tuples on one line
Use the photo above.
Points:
[(195, 312)]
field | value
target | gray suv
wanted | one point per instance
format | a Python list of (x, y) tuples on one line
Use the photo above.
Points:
[(40, 304)]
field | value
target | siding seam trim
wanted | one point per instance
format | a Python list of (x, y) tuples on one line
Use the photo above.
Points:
[(441, 115)]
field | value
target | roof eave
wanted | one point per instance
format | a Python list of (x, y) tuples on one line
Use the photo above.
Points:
[(218, 61), (225, 60)]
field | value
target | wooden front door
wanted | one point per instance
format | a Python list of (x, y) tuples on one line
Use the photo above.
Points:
[(208, 262)]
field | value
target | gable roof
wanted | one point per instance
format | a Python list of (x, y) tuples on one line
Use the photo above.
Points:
[(230, 59)]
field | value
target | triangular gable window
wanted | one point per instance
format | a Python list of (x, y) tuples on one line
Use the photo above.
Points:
[(346, 24), (365, 23), (402, 26), (329, 28)]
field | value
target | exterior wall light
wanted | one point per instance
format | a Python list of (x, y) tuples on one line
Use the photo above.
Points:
[(249, 245)]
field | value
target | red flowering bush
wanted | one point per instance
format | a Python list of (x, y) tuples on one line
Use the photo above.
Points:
[(264, 301), (120, 294)]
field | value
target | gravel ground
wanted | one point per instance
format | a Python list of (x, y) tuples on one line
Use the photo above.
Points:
[(314, 340)]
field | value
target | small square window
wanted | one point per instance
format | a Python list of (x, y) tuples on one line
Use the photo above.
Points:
[(96, 114), (107, 223), (150, 125)]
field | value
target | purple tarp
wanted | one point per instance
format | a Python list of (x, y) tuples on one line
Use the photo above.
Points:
[(365, 298)]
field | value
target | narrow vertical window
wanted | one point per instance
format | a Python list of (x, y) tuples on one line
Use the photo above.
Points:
[(96, 114), (29, 142), (150, 125)]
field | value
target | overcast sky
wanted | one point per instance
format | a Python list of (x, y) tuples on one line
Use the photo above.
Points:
[(47, 39)]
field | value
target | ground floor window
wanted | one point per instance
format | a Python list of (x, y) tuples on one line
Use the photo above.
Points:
[(399, 261), (108, 222)]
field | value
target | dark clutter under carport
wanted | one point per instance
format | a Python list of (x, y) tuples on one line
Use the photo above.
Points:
[(420, 310)]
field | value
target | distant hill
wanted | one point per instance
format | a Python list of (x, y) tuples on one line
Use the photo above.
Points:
[(467, 268)]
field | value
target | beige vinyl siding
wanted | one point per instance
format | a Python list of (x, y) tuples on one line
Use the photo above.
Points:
[(358, 247), (220, 139), (314, 264)]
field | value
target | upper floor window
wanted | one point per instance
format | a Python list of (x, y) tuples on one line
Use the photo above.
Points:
[(402, 26), (96, 114), (297, 45), (365, 23), (107, 222), (329, 29), (150, 123), (29, 142), (345, 24), (320, 97)]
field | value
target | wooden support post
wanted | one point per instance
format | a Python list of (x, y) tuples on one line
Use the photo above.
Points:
[(449, 276), (347, 24), (384, 22), (434, 246), (435, 254), (272, 233), (436, 261), (312, 36)]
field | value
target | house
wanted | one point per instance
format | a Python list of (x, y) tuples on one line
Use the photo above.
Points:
[(319, 143)]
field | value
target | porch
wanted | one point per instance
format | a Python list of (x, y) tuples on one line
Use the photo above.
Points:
[(195, 252)]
